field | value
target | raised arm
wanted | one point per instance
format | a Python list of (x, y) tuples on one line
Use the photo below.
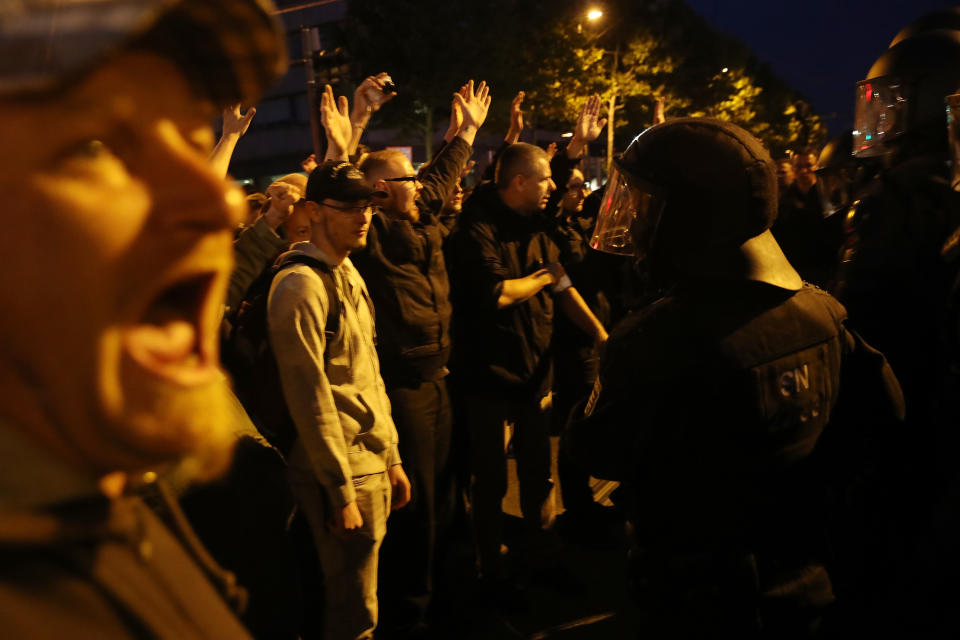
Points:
[(439, 178), (658, 112), (235, 124), (367, 100), (334, 114), (474, 105), (456, 119), (588, 129), (516, 119)]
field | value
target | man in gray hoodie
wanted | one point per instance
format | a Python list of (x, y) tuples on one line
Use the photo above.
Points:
[(344, 466)]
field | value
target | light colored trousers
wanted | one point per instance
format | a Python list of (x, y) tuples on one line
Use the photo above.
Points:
[(349, 563)]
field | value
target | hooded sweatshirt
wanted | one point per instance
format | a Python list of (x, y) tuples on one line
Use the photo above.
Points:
[(339, 404)]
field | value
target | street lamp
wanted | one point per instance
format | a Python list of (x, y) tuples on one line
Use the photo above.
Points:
[(593, 15)]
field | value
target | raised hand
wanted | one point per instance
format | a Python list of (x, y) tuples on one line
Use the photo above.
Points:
[(658, 115), (551, 150), (336, 122), (309, 163), (589, 126), (370, 96), (235, 122), (516, 118), (281, 196), (473, 104), (456, 118)]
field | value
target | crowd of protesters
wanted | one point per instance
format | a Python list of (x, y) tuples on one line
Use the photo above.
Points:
[(392, 339)]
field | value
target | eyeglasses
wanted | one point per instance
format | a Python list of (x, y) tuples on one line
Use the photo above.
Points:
[(402, 179), (361, 208)]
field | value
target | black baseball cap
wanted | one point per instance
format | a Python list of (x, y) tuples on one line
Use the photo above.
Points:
[(230, 50), (339, 181)]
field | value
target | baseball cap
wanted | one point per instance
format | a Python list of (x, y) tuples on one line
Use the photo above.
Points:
[(295, 180), (230, 50), (339, 181)]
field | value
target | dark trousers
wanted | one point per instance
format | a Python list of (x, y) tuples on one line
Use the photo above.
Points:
[(409, 554), (574, 373), (488, 416)]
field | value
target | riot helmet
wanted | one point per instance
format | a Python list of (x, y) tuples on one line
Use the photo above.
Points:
[(687, 186), (942, 19), (836, 177), (904, 92)]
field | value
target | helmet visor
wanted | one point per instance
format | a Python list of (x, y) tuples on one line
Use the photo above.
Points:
[(881, 115), (835, 186), (629, 215), (953, 133)]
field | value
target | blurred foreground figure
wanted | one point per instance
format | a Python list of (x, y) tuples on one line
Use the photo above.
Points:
[(108, 339), (711, 400)]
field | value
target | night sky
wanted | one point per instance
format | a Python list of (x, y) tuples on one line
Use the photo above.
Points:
[(819, 47)]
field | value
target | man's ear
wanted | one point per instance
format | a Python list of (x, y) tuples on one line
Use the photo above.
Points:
[(313, 211), (380, 185), (518, 182)]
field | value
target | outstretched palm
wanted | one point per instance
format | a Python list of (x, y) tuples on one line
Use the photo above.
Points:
[(589, 124), (474, 104), (335, 115), (235, 122)]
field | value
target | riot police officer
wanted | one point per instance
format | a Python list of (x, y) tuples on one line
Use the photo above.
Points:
[(711, 400), (898, 281)]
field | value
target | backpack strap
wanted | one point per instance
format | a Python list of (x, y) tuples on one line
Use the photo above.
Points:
[(325, 272)]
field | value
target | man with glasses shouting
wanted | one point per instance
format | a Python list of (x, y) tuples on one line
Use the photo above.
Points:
[(344, 466)]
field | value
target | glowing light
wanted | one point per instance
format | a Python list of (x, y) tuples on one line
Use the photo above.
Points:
[(724, 70), (594, 14), (568, 134)]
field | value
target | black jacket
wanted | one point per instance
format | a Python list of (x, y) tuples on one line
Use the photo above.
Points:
[(710, 404), (508, 348), (109, 569), (404, 269)]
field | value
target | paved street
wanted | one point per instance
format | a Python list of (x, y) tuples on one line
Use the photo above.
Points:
[(587, 598)]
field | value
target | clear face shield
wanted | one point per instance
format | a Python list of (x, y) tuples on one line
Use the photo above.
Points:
[(881, 115), (629, 215), (835, 187), (953, 133)]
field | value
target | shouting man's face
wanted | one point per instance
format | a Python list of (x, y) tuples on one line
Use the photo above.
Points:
[(117, 242)]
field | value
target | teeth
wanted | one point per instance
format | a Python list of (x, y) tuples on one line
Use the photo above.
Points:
[(172, 342)]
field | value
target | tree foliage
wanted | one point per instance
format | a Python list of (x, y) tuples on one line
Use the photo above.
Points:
[(638, 51), (578, 65)]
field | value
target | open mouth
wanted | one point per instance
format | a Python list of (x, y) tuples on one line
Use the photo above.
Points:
[(169, 340)]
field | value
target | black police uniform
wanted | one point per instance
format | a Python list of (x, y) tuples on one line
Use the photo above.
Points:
[(708, 406), (899, 283)]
